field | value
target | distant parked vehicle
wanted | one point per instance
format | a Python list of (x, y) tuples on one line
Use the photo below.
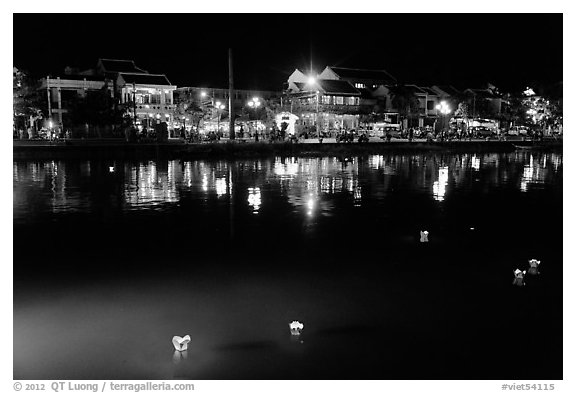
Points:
[(519, 130), (482, 132), (381, 129)]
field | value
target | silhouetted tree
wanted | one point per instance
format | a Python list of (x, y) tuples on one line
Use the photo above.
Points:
[(28, 103)]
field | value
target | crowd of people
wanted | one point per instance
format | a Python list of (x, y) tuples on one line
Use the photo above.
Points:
[(161, 133)]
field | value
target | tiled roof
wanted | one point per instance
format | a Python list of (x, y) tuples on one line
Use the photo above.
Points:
[(360, 74), (414, 89), (365, 93), (330, 86), (449, 89), (429, 91), (113, 65), (300, 85), (80, 77), (146, 79), (483, 93)]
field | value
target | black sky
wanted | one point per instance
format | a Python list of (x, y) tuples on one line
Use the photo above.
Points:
[(466, 50)]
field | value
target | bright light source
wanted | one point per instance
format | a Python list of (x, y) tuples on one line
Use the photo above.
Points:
[(443, 107), (257, 104), (534, 263), (158, 116), (296, 328), (311, 80), (167, 115), (218, 103), (251, 104), (203, 94), (423, 236), (111, 169), (256, 99), (181, 343)]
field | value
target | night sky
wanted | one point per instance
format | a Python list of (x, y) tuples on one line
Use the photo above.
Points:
[(465, 50)]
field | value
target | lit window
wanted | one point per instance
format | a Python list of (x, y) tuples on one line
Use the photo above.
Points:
[(339, 100), (326, 99), (359, 85)]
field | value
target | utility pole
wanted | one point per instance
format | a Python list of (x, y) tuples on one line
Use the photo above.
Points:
[(134, 101), (230, 96)]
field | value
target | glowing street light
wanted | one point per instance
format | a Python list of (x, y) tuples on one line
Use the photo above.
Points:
[(445, 110), (220, 107), (255, 104), (312, 81)]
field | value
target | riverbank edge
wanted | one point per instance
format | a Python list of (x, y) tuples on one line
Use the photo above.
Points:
[(256, 150)]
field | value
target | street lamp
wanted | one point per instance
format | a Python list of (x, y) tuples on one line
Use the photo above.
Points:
[(444, 109), (219, 107), (255, 104), (312, 82)]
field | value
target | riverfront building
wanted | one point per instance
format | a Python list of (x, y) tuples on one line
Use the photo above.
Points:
[(149, 96)]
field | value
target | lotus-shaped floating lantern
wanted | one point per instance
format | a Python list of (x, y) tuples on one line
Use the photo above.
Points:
[(296, 328), (423, 236), (533, 266), (519, 277), (181, 343)]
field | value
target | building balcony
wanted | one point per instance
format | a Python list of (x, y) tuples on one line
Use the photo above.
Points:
[(332, 108), (154, 107)]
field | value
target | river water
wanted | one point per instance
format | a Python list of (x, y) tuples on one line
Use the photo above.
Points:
[(113, 258)]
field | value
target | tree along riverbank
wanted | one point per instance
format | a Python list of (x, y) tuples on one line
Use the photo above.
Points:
[(115, 149)]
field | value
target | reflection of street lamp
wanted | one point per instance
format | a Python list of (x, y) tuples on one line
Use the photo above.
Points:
[(444, 109), (220, 107), (255, 104)]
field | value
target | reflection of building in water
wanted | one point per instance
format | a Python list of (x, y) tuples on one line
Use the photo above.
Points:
[(52, 180), (310, 204), (148, 184), (475, 163), (286, 167), (439, 187), (254, 198), (221, 186), (528, 176)]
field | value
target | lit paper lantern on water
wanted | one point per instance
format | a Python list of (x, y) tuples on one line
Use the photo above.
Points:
[(181, 343), (111, 169), (423, 236), (534, 263), (296, 328), (519, 278)]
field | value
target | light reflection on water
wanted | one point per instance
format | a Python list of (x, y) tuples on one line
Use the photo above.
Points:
[(307, 183)]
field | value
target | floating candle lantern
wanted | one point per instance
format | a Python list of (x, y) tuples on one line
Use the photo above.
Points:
[(519, 277), (181, 343), (296, 328), (533, 266), (423, 236)]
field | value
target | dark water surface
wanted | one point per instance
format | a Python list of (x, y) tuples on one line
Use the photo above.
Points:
[(113, 258)]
